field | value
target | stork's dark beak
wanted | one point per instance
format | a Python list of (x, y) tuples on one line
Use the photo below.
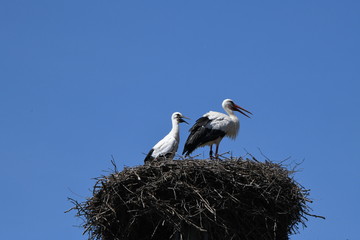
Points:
[(241, 110), (182, 119)]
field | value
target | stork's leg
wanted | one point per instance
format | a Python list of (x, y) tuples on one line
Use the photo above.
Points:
[(217, 151), (211, 152)]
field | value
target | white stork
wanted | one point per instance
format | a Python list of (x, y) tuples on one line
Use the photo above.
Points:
[(213, 126), (167, 147)]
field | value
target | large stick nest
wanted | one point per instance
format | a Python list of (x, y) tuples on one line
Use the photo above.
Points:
[(196, 199)]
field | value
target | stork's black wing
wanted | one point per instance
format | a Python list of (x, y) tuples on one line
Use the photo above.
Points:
[(148, 157), (200, 135)]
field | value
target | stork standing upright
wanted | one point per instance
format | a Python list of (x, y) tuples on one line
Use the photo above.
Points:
[(167, 147), (212, 127)]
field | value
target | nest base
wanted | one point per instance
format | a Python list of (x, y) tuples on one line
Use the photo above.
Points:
[(197, 200)]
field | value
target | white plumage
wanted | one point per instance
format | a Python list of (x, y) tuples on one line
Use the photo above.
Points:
[(212, 127), (167, 147)]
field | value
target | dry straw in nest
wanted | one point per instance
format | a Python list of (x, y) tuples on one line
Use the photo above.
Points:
[(196, 199)]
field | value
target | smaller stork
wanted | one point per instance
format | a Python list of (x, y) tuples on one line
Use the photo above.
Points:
[(212, 127), (167, 147)]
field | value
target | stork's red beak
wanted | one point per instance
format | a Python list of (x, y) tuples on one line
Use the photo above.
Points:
[(241, 110)]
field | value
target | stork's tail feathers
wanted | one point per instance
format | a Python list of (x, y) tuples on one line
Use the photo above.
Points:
[(188, 149)]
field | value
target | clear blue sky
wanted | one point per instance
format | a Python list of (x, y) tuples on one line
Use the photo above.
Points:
[(83, 80)]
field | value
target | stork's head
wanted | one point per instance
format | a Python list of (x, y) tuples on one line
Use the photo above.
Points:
[(230, 105), (179, 117)]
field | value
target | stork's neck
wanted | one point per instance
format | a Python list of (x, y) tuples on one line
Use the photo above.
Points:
[(231, 114), (175, 128), (234, 124)]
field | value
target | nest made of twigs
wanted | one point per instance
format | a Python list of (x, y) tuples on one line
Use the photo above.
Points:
[(196, 199)]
